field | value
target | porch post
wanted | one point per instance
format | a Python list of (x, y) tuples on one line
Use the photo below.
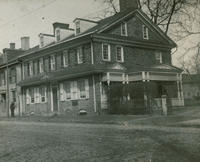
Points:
[(181, 91), (145, 90)]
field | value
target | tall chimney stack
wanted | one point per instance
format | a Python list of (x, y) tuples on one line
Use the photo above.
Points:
[(128, 5), (25, 43), (12, 46)]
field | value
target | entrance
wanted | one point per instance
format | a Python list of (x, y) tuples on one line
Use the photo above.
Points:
[(55, 98)]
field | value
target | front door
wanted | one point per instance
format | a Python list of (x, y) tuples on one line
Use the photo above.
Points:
[(55, 98)]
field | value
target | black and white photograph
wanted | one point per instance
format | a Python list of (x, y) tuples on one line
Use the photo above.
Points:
[(99, 81)]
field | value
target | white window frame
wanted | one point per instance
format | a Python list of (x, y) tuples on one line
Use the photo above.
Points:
[(109, 52), (74, 90), (78, 27), (124, 24), (53, 62), (65, 54), (45, 94), (145, 31), (36, 95), (58, 37), (79, 53), (158, 59), (33, 96), (122, 53)]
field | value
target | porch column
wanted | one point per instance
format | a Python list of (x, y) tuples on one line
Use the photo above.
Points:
[(181, 90), (127, 82), (108, 78)]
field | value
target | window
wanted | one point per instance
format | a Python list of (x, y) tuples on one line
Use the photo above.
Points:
[(120, 53), (30, 68), (32, 97), (57, 34), (66, 58), (36, 67), (124, 29), (42, 92), (53, 62), (145, 32), (13, 96), (74, 90), (67, 90), (158, 57), (78, 29), (83, 88), (80, 55), (12, 76), (2, 78), (41, 65), (106, 52)]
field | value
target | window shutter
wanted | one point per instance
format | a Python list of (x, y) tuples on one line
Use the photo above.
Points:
[(62, 95), (87, 88)]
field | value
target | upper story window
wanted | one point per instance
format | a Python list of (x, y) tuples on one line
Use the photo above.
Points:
[(158, 57), (2, 78), (145, 31), (13, 76), (124, 29), (80, 55), (78, 27), (106, 52), (120, 53), (30, 68), (41, 65), (57, 34), (53, 62), (66, 58)]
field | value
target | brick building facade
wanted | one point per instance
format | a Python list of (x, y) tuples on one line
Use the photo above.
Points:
[(122, 60)]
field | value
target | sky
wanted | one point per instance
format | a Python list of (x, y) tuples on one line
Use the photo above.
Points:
[(20, 18)]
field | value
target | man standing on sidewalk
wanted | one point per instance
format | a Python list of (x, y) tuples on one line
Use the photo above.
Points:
[(12, 109)]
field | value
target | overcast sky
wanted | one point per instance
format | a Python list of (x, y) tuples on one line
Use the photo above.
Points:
[(20, 18), (30, 17)]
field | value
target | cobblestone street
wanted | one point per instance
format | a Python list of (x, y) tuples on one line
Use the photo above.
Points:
[(48, 142)]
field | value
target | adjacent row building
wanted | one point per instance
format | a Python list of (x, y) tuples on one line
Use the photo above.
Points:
[(119, 64)]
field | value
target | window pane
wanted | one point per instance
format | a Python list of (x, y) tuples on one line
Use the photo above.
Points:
[(105, 52)]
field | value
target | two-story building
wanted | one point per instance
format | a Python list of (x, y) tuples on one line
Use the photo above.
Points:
[(10, 75), (120, 63)]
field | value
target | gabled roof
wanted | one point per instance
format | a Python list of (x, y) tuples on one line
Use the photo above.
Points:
[(108, 23)]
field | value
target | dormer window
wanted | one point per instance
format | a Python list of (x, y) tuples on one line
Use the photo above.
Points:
[(41, 41), (124, 29), (158, 57), (57, 34), (78, 27), (145, 31)]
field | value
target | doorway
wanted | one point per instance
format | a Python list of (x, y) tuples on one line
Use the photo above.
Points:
[(55, 98)]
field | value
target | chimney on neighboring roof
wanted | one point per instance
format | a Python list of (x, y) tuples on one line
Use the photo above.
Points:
[(128, 4), (25, 43), (12, 46)]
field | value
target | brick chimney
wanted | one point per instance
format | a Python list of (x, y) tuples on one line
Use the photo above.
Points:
[(25, 43), (12, 46), (128, 4)]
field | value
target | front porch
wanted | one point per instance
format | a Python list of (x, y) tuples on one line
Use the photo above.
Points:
[(141, 92)]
